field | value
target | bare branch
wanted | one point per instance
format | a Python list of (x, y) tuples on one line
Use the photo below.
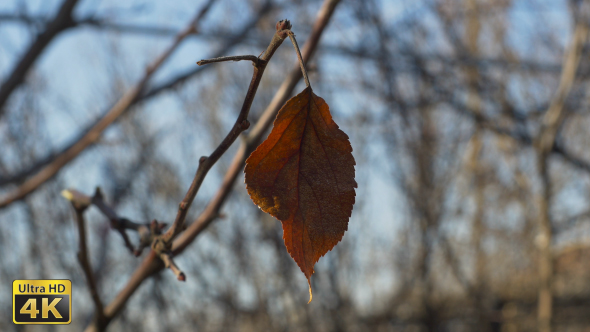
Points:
[(113, 114), (252, 58), (255, 136), (93, 22), (146, 234), (151, 265), (80, 203), (166, 257), (521, 137), (544, 145), (62, 21), (117, 223), (241, 124), (46, 163)]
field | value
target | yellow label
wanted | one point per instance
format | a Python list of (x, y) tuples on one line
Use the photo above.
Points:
[(42, 301)]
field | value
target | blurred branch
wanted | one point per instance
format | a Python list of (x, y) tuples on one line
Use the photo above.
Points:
[(358, 52), (80, 203), (477, 288), (255, 136), (150, 265), (241, 124), (169, 263), (252, 58), (571, 221), (94, 133), (105, 25), (62, 21), (119, 224), (98, 23), (522, 137), (127, 28), (172, 83), (544, 144), (455, 265)]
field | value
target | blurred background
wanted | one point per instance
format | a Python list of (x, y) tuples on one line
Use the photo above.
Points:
[(469, 123)]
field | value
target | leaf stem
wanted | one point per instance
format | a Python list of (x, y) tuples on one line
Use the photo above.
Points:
[(301, 64)]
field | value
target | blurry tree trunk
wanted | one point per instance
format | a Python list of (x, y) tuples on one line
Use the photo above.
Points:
[(472, 31), (552, 121), (543, 241), (426, 202)]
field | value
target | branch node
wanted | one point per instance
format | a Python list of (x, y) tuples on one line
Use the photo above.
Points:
[(245, 124), (159, 245), (202, 159), (283, 33)]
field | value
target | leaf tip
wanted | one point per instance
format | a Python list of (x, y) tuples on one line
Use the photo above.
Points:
[(310, 294)]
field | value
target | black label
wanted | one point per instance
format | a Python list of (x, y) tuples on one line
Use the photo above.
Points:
[(41, 308)]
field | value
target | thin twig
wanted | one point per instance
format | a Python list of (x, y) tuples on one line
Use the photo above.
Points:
[(166, 257), (241, 124), (85, 262), (118, 223), (256, 134), (303, 70), (117, 110), (151, 265), (230, 58)]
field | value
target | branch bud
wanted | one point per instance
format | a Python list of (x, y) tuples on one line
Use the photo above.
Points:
[(283, 25)]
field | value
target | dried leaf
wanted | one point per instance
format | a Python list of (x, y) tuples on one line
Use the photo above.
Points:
[(303, 174)]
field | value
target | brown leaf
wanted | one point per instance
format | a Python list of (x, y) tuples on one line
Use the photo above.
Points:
[(303, 174)]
